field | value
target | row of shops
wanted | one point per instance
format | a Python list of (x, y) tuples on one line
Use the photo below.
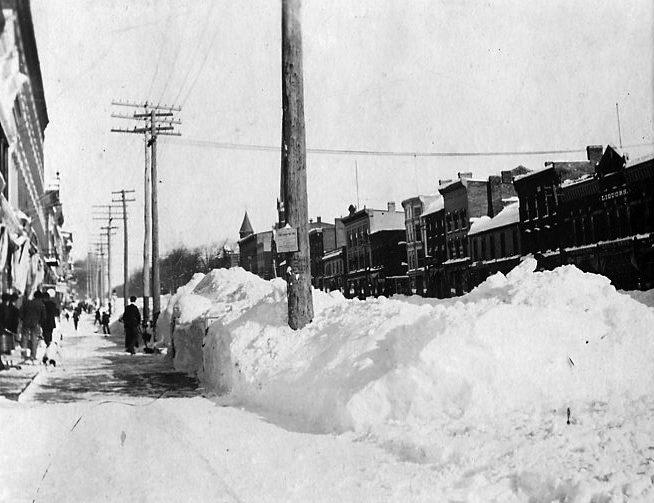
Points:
[(34, 249)]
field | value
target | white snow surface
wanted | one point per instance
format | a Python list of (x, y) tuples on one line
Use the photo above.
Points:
[(477, 387)]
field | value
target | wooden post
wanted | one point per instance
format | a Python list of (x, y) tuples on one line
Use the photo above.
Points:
[(125, 252), (147, 244), (156, 290), (294, 173), (109, 227)]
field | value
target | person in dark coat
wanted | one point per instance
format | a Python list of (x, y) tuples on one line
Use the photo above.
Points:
[(12, 315), (76, 313), (51, 315), (32, 315), (105, 323), (98, 318), (3, 309), (131, 321)]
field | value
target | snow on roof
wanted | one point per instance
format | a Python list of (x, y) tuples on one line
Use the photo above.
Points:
[(433, 206), (509, 215), (533, 172), (640, 160), (568, 183)]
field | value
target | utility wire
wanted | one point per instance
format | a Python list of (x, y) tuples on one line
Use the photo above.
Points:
[(196, 52), (377, 153), (204, 61), (161, 50), (172, 67)]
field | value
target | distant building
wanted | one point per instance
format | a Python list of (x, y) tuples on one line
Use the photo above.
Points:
[(255, 250), (435, 247), (539, 194), (375, 252), (606, 220), (415, 248), (322, 238), (463, 199), (334, 275), (495, 243)]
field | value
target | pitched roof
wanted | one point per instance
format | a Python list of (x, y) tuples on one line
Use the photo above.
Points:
[(246, 226), (508, 216)]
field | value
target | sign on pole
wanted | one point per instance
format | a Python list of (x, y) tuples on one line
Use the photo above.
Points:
[(286, 239)]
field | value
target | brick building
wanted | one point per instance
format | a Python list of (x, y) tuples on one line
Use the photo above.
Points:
[(435, 247), (606, 221), (539, 195), (415, 249), (322, 238), (255, 250), (495, 243), (375, 252)]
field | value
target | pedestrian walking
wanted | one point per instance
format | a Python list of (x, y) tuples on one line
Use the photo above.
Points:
[(76, 314), (105, 322), (12, 316), (132, 323), (98, 318), (51, 315), (32, 316)]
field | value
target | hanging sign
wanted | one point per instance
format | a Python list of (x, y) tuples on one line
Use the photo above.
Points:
[(286, 239)]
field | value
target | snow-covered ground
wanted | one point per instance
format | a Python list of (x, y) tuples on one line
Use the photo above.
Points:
[(403, 399), (477, 388)]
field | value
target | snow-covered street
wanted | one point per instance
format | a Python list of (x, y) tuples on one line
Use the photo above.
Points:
[(375, 401)]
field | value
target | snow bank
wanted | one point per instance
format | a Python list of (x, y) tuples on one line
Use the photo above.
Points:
[(527, 342)]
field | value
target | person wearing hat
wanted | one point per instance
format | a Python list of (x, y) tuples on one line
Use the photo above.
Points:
[(51, 315), (32, 314), (131, 321)]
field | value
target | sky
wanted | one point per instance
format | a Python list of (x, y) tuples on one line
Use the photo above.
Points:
[(379, 75)]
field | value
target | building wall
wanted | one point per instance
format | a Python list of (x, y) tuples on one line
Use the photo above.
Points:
[(495, 243)]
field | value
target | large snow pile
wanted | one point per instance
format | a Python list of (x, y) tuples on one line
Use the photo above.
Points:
[(406, 372)]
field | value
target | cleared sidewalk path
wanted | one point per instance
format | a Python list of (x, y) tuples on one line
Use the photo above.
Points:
[(93, 367)]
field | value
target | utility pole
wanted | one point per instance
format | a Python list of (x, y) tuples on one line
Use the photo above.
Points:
[(124, 201), (156, 286), (617, 112), (294, 170), (159, 120), (147, 235), (100, 272), (108, 229)]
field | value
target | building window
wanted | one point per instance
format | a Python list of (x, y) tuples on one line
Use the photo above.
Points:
[(502, 245), (516, 247), (492, 246)]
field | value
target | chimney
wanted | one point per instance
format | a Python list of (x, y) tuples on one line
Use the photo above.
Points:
[(594, 153), (319, 219), (465, 175), (391, 206)]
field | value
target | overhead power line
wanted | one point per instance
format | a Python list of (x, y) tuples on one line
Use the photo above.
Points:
[(380, 153)]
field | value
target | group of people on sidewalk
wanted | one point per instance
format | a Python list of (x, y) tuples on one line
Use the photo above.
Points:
[(35, 319)]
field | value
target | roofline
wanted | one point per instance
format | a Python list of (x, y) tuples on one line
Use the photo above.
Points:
[(24, 14)]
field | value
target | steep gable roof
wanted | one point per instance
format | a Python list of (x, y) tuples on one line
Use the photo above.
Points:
[(246, 227)]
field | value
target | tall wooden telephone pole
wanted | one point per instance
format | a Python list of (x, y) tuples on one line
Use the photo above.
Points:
[(294, 170), (124, 202), (108, 229), (159, 120)]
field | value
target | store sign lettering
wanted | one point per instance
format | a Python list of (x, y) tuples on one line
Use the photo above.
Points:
[(614, 195)]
